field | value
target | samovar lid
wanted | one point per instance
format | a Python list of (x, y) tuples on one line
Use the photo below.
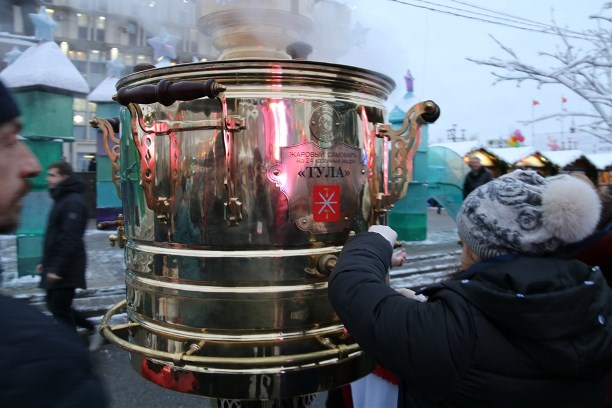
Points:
[(268, 73)]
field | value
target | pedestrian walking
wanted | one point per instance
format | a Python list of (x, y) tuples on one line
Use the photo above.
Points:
[(477, 176), (63, 264), (43, 363), (519, 325)]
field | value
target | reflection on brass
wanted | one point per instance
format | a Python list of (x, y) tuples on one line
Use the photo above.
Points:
[(146, 126), (233, 211), (109, 138), (120, 238)]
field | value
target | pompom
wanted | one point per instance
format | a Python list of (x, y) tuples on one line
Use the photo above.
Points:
[(571, 208)]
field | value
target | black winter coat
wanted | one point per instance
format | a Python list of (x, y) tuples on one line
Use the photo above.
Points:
[(511, 332), (64, 247), (473, 180), (43, 363)]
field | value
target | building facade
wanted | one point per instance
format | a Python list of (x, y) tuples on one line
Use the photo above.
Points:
[(93, 32)]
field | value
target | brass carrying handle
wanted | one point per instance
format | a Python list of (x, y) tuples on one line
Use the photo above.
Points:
[(339, 351), (110, 128), (167, 92), (403, 149)]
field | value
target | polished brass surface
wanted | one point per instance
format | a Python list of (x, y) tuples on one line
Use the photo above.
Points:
[(119, 238), (236, 209), (190, 369), (249, 33)]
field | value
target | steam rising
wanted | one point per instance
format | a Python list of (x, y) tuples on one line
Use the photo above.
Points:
[(340, 31)]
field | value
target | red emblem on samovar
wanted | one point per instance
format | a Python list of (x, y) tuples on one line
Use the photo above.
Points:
[(326, 203)]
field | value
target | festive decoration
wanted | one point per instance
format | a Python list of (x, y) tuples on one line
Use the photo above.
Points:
[(163, 45), (409, 84), (536, 103), (44, 25), (516, 139)]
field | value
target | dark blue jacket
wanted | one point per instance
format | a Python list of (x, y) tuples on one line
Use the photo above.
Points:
[(473, 180), (43, 363), (64, 247), (511, 332)]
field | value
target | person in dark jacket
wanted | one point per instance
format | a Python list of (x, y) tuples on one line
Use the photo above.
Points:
[(64, 259), (517, 327), (43, 364), (596, 251), (477, 176)]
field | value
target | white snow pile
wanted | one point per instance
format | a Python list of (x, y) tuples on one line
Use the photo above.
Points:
[(44, 64)]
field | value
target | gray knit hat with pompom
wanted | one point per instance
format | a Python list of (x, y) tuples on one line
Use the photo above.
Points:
[(525, 213)]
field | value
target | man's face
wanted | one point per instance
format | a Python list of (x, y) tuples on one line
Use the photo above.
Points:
[(475, 164), (17, 164), (54, 178)]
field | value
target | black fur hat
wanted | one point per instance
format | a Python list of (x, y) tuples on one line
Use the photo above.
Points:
[(8, 108)]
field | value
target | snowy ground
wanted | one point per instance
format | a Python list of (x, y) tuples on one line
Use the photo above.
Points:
[(105, 265)]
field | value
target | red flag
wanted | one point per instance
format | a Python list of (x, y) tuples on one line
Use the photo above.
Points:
[(563, 100), (535, 102)]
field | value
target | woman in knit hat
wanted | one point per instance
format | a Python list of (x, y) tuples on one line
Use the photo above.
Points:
[(519, 326)]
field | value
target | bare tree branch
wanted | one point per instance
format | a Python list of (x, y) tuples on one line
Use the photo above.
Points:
[(586, 70)]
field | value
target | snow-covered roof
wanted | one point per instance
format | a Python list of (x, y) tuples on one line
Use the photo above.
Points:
[(562, 158), (511, 155), (44, 65), (105, 91), (600, 160), (461, 148), (16, 39)]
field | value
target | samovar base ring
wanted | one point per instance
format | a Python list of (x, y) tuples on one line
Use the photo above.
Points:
[(242, 378)]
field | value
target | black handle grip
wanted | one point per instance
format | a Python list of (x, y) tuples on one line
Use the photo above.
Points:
[(432, 112), (166, 92)]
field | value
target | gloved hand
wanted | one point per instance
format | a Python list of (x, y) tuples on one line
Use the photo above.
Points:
[(386, 232)]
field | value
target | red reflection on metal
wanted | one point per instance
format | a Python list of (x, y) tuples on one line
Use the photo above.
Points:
[(326, 203), (368, 142), (182, 381), (385, 168), (227, 137), (277, 127), (277, 76)]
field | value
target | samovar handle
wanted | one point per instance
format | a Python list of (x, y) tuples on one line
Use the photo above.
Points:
[(403, 149), (110, 127), (167, 92)]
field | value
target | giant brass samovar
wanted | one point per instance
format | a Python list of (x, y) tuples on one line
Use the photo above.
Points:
[(240, 182)]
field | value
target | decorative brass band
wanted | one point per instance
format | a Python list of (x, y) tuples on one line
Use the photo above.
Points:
[(403, 149), (146, 151), (108, 133), (339, 351)]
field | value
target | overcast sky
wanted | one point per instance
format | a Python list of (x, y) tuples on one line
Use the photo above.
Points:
[(434, 46)]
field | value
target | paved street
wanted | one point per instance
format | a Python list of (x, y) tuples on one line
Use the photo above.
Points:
[(429, 260)]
